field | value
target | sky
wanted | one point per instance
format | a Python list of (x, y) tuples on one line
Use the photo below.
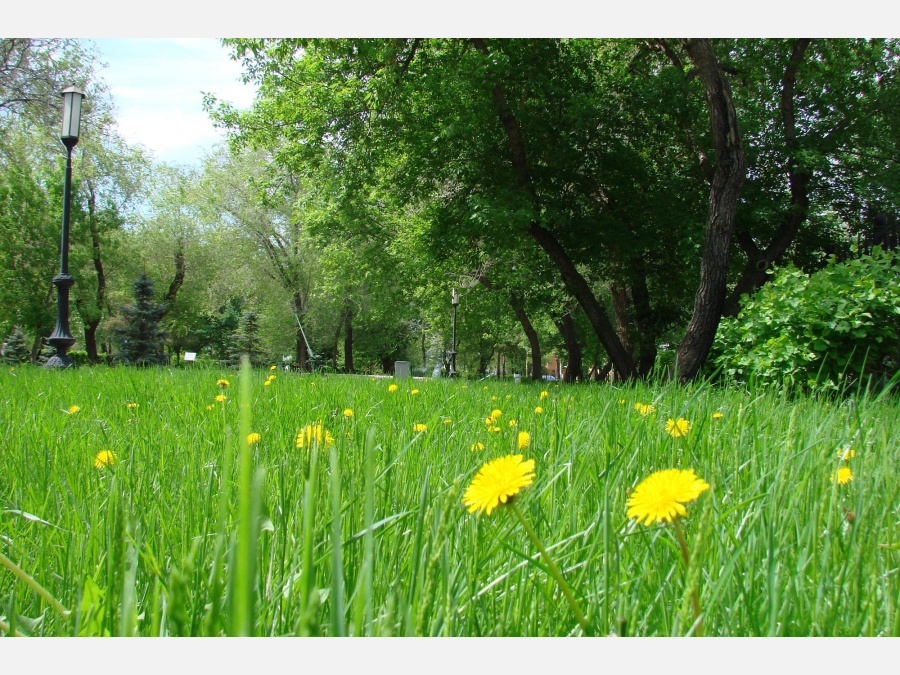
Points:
[(158, 84)]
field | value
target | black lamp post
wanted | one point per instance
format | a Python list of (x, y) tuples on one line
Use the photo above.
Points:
[(455, 300), (61, 338)]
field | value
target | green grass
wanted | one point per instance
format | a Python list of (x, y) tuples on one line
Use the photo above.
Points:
[(194, 532)]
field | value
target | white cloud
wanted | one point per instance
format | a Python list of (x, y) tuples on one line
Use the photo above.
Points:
[(157, 85)]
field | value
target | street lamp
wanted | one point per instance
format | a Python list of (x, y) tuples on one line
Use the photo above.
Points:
[(61, 338), (454, 298)]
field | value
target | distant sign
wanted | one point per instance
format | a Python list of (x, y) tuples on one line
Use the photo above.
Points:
[(190, 356)]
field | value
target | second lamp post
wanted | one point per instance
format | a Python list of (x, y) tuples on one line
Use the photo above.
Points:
[(454, 298)]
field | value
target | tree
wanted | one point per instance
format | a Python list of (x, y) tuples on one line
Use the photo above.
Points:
[(14, 350), (140, 338)]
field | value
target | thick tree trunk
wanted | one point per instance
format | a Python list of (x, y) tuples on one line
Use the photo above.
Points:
[(536, 359), (759, 261), (566, 327), (723, 196), (178, 279), (621, 305), (348, 342)]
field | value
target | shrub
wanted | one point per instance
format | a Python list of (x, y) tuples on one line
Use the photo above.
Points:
[(14, 350), (827, 329)]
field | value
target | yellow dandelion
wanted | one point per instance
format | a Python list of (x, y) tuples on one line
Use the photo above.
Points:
[(270, 377), (538, 410), (267, 383), (662, 495), (348, 413), (476, 447), (678, 428), (846, 453), (621, 401), (272, 367), (494, 430), (484, 388), (222, 383), (314, 433), (497, 481), (104, 458), (73, 409), (253, 439), (414, 392), (131, 406), (496, 414), (493, 398), (392, 388), (524, 440), (544, 394), (210, 406), (718, 415), (644, 409), (513, 423), (447, 420), (221, 398), (844, 476), (418, 428)]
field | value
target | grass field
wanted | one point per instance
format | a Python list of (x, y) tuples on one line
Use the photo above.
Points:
[(185, 528)]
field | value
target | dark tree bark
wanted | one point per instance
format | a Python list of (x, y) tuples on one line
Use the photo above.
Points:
[(178, 279), (566, 327), (647, 327), (621, 305), (300, 346), (723, 196), (348, 341), (536, 358), (759, 260)]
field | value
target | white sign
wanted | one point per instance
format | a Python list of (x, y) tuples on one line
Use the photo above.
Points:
[(190, 356)]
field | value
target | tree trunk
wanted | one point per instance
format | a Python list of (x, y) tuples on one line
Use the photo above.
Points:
[(348, 342), (300, 340), (566, 327), (519, 309), (178, 279), (759, 261), (643, 318), (621, 305), (723, 196)]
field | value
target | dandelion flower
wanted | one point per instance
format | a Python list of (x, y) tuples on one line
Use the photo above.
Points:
[(348, 413), (678, 428), (267, 383), (73, 409), (414, 392), (508, 396), (104, 458), (544, 394), (221, 398), (662, 495), (524, 440), (270, 377), (846, 453), (131, 406), (538, 410), (844, 476), (476, 447), (494, 430), (496, 414), (484, 388), (717, 415), (210, 406), (253, 439), (418, 428), (314, 433), (621, 401), (514, 423), (448, 421), (222, 383), (392, 388), (644, 409), (497, 481), (272, 367)]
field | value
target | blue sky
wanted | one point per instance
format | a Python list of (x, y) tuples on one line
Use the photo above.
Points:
[(157, 86)]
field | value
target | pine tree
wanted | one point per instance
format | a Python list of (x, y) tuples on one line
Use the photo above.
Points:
[(245, 340), (14, 349), (141, 339)]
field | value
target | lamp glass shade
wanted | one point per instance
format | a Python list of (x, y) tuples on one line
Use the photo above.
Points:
[(72, 98), (454, 298)]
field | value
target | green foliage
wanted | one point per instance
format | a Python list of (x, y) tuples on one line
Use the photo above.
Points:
[(141, 339), (246, 340), (14, 348), (828, 329)]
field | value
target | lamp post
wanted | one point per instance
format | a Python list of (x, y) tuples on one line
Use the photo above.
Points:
[(454, 298), (61, 338)]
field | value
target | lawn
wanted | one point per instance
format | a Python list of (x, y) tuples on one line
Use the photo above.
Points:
[(131, 503)]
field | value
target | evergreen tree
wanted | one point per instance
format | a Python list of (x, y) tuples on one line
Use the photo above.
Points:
[(140, 339), (245, 340), (14, 349)]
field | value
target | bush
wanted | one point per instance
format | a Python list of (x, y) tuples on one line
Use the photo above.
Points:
[(828, 329)]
